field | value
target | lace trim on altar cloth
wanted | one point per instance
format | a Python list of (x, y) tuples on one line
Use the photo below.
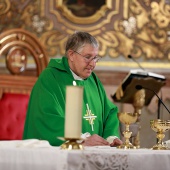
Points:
[(96, 161)]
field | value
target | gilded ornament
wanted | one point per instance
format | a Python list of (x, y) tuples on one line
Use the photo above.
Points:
[(140, 28), (4, 6)]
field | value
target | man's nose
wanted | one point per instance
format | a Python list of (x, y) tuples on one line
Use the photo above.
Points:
[(92, 62)]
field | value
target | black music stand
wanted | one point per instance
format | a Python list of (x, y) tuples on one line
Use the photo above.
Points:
[(145, 79)]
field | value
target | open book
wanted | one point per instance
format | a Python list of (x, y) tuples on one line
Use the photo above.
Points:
[(143, 73), (139, 77)]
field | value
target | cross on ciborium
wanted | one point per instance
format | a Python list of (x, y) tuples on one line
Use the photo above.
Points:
[(127, 118), (160, 127)]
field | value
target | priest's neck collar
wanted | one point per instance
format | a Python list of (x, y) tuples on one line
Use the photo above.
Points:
[(76, 77)]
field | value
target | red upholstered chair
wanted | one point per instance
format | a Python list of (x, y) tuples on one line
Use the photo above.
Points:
[(13, 109), (17, 79)]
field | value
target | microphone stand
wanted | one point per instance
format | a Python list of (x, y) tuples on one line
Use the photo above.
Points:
[(159, 106), (129, 56), (138, 87)]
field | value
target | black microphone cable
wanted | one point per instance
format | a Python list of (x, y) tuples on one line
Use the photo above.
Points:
[(159, 105), (139, 87)]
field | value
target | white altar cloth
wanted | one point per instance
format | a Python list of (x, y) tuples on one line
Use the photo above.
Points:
[(39, 155)]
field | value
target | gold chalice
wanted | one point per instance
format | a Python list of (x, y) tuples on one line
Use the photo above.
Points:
[(127, 118), (160, 127)]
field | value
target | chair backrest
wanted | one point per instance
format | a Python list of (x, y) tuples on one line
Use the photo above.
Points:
[(12, 115), (18, 47)]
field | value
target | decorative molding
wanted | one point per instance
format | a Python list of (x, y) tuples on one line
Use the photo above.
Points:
[(4, 6), (122, 27)]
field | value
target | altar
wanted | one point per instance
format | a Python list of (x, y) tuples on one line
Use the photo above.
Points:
[(39, 155)]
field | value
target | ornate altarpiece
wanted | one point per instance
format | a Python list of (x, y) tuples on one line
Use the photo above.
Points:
[(122, 27)]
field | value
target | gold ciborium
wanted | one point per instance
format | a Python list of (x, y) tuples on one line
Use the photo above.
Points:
[(127, 118), (160, 127)]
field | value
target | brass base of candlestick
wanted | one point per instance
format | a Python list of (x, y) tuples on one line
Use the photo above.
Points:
[(71, 144)]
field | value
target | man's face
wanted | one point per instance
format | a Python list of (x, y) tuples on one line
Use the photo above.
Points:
[(82, 62)]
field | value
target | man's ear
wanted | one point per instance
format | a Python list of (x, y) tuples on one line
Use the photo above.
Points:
[(70, 54)]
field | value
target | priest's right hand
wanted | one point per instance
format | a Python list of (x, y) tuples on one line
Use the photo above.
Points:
[(95, 140)]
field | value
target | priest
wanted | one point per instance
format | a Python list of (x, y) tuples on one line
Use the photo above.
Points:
[(45, 117)]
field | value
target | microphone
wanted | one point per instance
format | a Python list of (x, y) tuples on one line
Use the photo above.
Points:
[(139, 87), (129, 56)]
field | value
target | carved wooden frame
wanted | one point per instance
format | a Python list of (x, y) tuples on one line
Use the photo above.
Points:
[(23, 41), (16, 84), (86, 20)]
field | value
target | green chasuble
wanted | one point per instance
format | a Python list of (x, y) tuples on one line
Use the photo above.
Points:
[(46, 110)]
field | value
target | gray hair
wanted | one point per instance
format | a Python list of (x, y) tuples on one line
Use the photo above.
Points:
[(77, 40)]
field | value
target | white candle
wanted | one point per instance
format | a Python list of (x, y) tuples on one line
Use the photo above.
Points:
[(73, 112)]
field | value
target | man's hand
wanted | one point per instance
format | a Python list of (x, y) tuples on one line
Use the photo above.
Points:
[(95, 140), (116, 142)]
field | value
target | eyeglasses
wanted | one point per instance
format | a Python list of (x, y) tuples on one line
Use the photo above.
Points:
[(88, 58)]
